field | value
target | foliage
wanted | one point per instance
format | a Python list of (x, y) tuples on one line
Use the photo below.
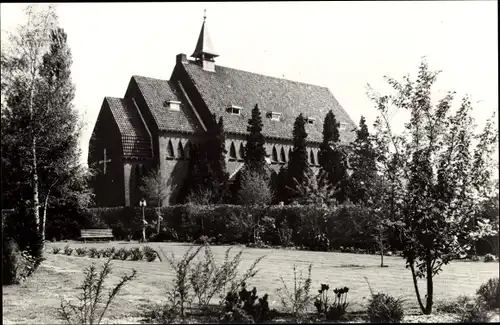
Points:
[(122, 254), (255, 152), (489, 293), (474, 313), (56, 250), (92, 302), (149, 253), (81, 251), (437, 181), (384, 308), (94, 252), (455, 306), (161, 314), (298, 164), (108, 252), (68, 250), (337, 310), (296, 302), (490, 258), (315, 190), (17, 265), (136, 254), (254, 188), (245, 307)]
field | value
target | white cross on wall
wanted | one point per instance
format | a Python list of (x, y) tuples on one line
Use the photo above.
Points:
[(104, 161)]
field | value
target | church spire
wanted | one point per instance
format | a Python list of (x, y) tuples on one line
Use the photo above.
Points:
[(204, 51)]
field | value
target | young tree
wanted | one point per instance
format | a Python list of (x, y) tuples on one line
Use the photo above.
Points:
[(438, 182), (298, 164), (157, 187), (255, 152), (315, 190), (216, 156), (363, 164), (332, 156), (255, 188)]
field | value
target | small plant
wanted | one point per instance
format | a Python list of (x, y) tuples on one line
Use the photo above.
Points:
[(67, 250), (108, 252), (56, 250), (161, 314), (149, 253), (81, 251), (384, 308), (136, 254), (337, 310), (321, 301), (455, 306), (475, 313), (296, 301), (94, 252), (490, 258), (246, 307), (489, 293), (92, 303), (121, 254)]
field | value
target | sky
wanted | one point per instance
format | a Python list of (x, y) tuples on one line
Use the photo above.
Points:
[(339, 45)]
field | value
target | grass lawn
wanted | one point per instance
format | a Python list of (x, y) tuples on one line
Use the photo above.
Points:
[(36, 300)]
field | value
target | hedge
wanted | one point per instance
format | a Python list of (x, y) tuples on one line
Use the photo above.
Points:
[(230, 224)]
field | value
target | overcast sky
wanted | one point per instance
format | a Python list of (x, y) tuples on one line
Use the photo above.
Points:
[(340, 45)]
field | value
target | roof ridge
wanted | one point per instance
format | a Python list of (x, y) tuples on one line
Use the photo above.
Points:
[(264, 75)]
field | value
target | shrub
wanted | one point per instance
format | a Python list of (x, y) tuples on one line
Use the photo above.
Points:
[(161, 314), (136, 254), (475, 313), (149, 253), (490, 258), (246, 307), (122, 254), (455, 306), (92, 303), (94, 252), (108, 252), (384, 308), (208, 279), (17, 265), (489, 293), (338, 308), (296, 302), (81, 251), (56, 250), (68, 250)]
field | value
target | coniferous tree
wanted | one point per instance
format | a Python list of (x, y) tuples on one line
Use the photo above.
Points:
[(255, 152), (364, 164), (298, 164), (217, 161)]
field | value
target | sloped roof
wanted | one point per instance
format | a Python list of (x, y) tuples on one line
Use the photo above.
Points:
[(135, 138), (227, 86), (156, 93)]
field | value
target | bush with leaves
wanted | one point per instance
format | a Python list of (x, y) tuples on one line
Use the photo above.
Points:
[(489, 293), (17, 265), (56, 249), (94, 252), (474, 313), (490, 258), (246, 307), (68, 250), (81, 251), (383, 308), (92, 303), (121, 254), (149, 253), (295, 300), (254, 188), (108, 252), (136, 254)]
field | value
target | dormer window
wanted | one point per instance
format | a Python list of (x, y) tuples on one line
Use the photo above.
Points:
[(342, 126), (274, 116), (233, 109), (311, 120), (173, 105)]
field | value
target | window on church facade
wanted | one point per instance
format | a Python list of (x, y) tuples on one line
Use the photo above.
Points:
[(232, 152), (242, 151), (274, 157), (180, 151), (233, 109), (170, 150), (313, 161), (283, 156)]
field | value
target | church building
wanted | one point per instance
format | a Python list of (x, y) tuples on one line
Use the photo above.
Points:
[(157, 120)]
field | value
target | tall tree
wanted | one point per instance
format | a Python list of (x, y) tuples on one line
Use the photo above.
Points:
[(363, 164), (438, 182), (38, 94), (255, 152), (298, 165)]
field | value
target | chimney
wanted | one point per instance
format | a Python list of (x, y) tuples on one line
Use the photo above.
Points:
[(181, 58)]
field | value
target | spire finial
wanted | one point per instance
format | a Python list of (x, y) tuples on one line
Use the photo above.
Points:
[(204, 14)]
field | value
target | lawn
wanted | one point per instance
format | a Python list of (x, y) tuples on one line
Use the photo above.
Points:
[(37, 299)]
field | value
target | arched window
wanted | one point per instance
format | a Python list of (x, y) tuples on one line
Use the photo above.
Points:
[(232, 152), (180, 151), (283, 156), (187, 148), (242, 151), (313, 161), (274, 157), (170, 150)]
